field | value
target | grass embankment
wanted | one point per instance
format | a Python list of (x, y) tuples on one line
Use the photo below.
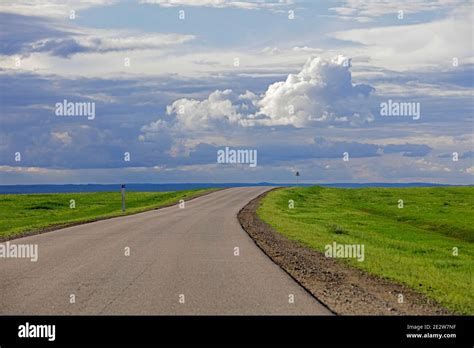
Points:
[(412, 245), (33, 212)]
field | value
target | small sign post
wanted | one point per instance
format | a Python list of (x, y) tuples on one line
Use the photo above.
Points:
[(297, 176), (122, 189)]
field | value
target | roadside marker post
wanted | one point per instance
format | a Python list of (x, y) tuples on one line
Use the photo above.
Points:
[(122, 189)]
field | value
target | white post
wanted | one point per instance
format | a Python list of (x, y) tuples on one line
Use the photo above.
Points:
[(123, 197)]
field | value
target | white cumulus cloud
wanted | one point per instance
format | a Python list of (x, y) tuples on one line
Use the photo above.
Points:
[(321, 93), (220, 108)]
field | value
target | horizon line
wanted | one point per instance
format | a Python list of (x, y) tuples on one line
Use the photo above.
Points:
[(248, 183)]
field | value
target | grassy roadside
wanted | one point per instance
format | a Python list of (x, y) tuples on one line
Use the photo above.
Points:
[(33, 212), (413, 245)]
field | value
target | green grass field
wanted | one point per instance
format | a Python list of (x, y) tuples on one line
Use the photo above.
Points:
[(412, 245), (31, 212)]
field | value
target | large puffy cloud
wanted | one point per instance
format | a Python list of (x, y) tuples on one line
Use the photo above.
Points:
[(322, 92), (220, 108)]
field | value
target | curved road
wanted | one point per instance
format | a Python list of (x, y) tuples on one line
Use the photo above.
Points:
[(173, 252)]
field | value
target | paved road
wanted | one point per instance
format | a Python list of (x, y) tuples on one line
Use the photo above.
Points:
[(173, 251)]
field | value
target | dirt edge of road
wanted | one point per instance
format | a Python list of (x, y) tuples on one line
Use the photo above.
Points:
[(345, 290), (76, 223)]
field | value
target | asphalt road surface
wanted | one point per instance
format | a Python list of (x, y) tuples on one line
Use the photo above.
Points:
[(175, 255)]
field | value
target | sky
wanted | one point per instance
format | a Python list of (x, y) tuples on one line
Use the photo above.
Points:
[(340, 91)]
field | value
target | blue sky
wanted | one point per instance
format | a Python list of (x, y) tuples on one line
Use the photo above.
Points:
[(301, 82)]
